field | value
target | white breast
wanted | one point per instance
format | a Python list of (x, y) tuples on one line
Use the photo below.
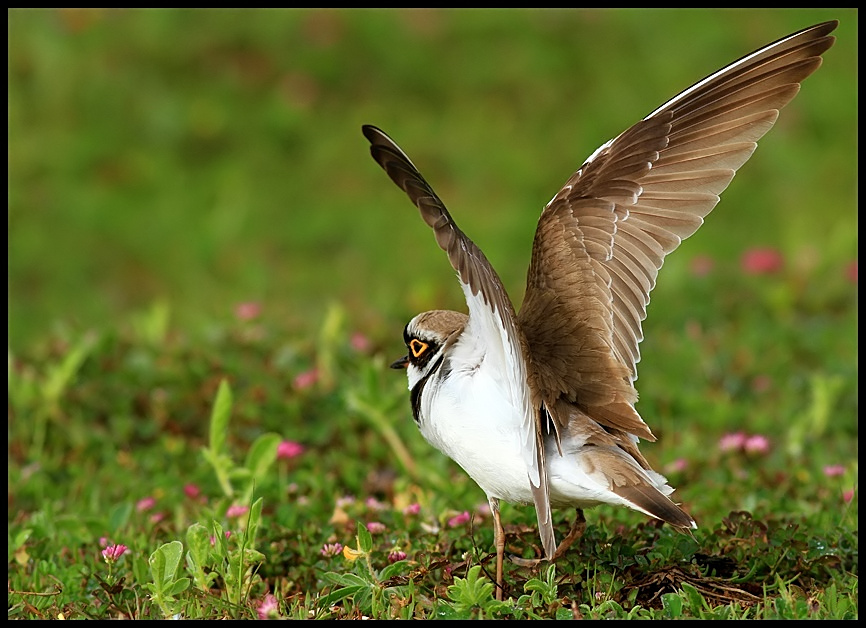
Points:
[(469, 417)]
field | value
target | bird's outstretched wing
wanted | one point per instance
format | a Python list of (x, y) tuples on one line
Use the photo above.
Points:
[(491, 314), (602, 239)]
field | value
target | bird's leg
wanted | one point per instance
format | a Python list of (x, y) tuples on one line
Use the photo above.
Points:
[(577, 530), (499, 543), (578, 527)]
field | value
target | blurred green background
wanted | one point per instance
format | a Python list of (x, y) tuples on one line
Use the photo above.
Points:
[(207, 158)]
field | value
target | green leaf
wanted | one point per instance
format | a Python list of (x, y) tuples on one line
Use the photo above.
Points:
[(220, 547), (219, 418), (157, 569), (253, 556), (672, 604), (331, 336), (119, 516), (394, 568), (335, 596), (611, 606), (365, 540), (344, 579), (153, 589), (19, 539), (61, 375), (240, 473), (472, 591), (164, 563), (262, 454), (446, 611), (198, 541), (697, 603), (179, 586), (564, 614), (348, 585), (546, 588), (254, 518)]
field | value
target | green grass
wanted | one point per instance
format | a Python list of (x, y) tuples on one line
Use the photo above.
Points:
[(167, 166)]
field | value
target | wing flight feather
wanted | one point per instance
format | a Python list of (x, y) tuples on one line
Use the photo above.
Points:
[(602, 239), (491, 314)]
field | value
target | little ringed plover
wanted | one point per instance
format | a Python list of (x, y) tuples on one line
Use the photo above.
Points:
[(537, 406)]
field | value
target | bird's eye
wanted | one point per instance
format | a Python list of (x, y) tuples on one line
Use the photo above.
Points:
[(417, 347)]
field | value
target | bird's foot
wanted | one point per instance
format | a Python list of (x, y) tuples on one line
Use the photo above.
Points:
[(525, 562), (577, 530)]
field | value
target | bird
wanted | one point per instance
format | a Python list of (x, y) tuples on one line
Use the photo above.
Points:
[(538, 405)]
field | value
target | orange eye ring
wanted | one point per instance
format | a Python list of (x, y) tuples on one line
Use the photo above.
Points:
[(417, 347)]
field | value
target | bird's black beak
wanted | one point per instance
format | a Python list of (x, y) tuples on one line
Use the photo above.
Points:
[(402, 363)]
